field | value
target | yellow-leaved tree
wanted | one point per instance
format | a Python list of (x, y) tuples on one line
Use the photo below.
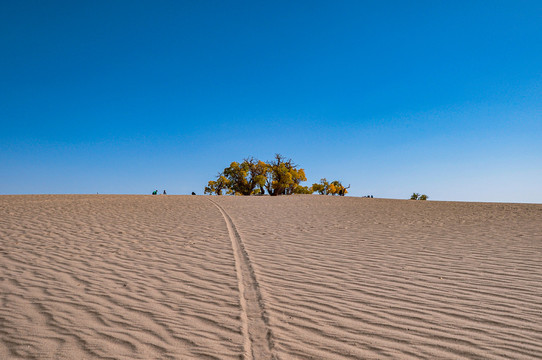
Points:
[(218, 186), (283, 177), (279, 177), (248, 177), (330, 188)]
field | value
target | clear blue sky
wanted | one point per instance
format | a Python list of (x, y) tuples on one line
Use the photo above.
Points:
[(392, 97)]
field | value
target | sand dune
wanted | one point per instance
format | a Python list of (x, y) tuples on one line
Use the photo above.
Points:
[(300, 277), (116, 277)]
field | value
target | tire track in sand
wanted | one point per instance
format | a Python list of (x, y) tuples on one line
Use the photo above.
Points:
[(257, 337)]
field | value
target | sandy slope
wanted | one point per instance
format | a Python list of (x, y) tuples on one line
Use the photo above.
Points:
[(367, 278), (303, 277), (116, 277)]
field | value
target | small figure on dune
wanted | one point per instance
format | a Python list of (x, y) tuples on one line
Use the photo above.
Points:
[(165, 192), (193, 193)]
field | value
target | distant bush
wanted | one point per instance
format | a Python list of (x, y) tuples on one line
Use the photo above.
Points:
[(330, 188), (416, 196)]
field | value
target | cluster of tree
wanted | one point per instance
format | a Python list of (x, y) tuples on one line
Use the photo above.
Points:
[(329, 188), (416, 196), (278, 177)]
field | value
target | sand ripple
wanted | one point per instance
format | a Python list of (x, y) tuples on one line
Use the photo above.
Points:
[(367, 278), (116, 277), (157, 277)]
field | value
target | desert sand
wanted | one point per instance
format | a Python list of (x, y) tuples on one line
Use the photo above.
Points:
[(298, 277)]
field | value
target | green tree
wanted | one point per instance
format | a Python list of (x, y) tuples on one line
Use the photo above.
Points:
[(414, 196), (423, 197)]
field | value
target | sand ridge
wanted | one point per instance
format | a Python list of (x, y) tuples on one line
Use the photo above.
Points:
[(139, 277)]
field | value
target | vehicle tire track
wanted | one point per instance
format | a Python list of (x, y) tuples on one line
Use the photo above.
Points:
[(256, 333)]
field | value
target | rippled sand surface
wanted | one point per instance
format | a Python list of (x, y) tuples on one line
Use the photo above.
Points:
[(116, 277), (300, 277)]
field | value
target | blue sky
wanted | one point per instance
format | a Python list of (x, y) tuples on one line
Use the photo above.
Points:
[(391, 97)]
